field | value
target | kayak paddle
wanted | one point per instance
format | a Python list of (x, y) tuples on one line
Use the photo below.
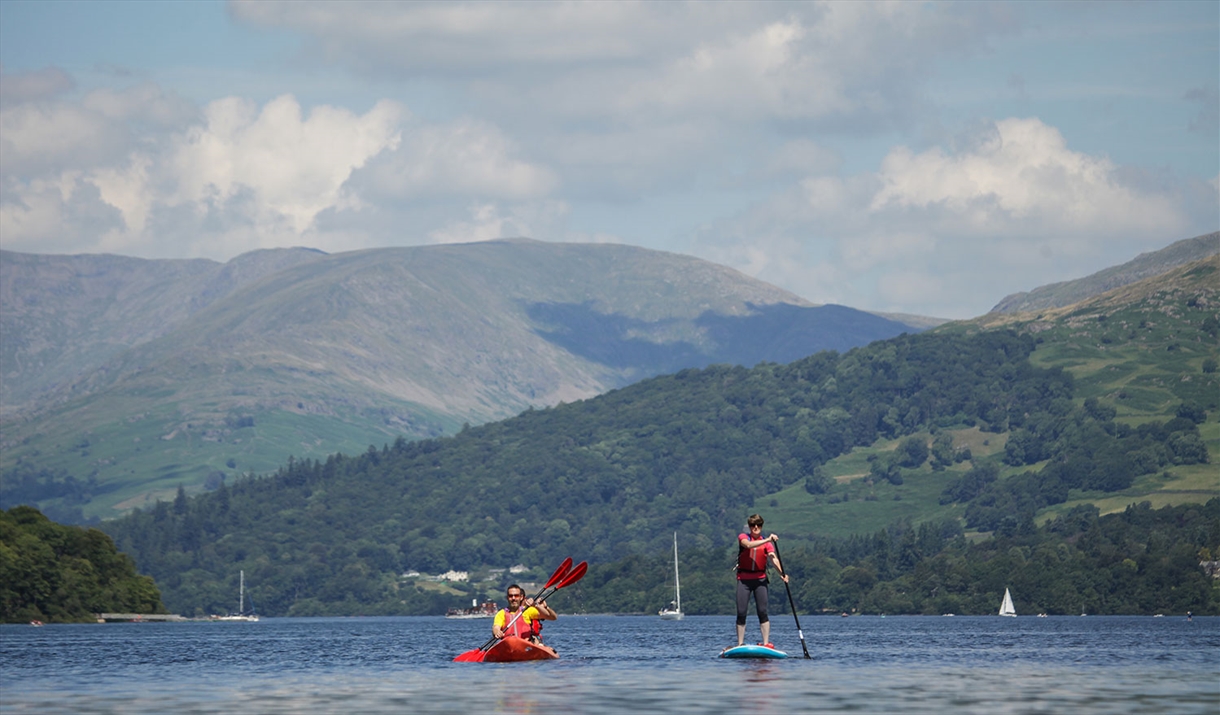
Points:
[(792, 605), (572, 577), (562, 577)]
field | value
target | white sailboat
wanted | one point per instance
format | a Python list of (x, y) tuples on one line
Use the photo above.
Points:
[(673, 612), (241, 614), (1006, 608)]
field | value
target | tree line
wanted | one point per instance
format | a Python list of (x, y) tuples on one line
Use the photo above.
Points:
[(612, 477), (1139, 561), (57, 573)]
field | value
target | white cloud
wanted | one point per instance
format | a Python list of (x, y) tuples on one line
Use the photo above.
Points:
[(294, 166), (628, 60), (170, 179), (52, 215), (40, 84), (1007, 207), (145, 103), (41, 136), (39, 139), (464, 157), (460, 37), (1022, 174), (490, 221)]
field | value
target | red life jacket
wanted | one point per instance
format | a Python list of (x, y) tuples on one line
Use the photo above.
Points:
[(520, 628), (751, 563)]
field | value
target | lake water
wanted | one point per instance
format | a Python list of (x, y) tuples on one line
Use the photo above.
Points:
[(612, 664)]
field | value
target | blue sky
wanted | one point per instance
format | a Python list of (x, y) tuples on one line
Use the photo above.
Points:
[(922, 158)]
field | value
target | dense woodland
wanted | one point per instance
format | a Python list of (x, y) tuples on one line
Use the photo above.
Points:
[(609, 479), (1141, 561), (55, 573)]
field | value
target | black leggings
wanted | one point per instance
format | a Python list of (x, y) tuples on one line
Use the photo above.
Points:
[(759, 588)]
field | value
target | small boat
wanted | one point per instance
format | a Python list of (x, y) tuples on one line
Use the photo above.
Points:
[(673, 612), (1006, 608), (487, 609), (36, 623), (753, 651), (511, 649), (241, 614)]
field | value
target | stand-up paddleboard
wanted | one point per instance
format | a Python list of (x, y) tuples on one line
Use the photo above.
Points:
[(753, 651), (512, 649)]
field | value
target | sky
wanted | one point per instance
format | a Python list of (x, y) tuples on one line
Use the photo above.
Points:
[(909, 157)]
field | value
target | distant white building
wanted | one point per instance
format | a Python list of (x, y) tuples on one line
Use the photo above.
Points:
[(455, 576), (411, 574), (519, 568)]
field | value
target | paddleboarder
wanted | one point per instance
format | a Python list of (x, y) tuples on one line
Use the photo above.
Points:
[(529, 625), (754, 550)]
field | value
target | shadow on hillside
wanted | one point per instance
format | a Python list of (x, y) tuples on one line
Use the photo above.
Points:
[(777, 333)]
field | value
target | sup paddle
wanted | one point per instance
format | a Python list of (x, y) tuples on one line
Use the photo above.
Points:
[(561, 578), (792, 605)]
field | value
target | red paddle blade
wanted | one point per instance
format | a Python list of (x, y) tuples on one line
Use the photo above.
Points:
[(471, 656), (559, 572), (577, 574)]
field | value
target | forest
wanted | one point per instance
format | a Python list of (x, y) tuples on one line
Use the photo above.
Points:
[(611, 478), (1140, 561), (64, 574)]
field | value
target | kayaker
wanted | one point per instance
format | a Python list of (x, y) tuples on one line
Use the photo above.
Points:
[(529, 625), (752, 554)]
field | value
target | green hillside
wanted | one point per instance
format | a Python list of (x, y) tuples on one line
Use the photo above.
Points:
[(1137, 561), (333, 352), (992, 428), (1141, 350)]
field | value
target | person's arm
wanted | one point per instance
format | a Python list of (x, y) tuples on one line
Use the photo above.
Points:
[(544, 611), (747, 543), (775, 560), (497, 625)]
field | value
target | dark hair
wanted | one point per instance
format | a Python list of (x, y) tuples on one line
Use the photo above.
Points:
[(511, 586), (754, 520)]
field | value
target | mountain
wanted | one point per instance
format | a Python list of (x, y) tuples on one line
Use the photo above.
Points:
[(200, 371), (1145, 265), (65, 316), (996, 425)]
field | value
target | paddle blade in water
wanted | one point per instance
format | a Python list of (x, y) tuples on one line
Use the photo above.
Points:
[(559, 573), (471, 656)]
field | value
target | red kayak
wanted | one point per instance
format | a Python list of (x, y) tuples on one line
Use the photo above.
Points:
[(512, 649)]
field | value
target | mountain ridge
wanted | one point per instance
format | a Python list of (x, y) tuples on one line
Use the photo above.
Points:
[(64, 316), (1092, 409), (336, 351), (1145, 265)]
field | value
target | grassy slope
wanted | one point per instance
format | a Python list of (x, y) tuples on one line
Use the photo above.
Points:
[(341, 351), (148, 455), (1144, 359)]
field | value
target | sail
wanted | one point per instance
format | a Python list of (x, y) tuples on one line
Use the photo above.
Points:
[(1006, 608), (674, 611)]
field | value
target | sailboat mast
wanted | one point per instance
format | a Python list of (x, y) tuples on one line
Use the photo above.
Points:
[(677, 582), (241, 594)]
